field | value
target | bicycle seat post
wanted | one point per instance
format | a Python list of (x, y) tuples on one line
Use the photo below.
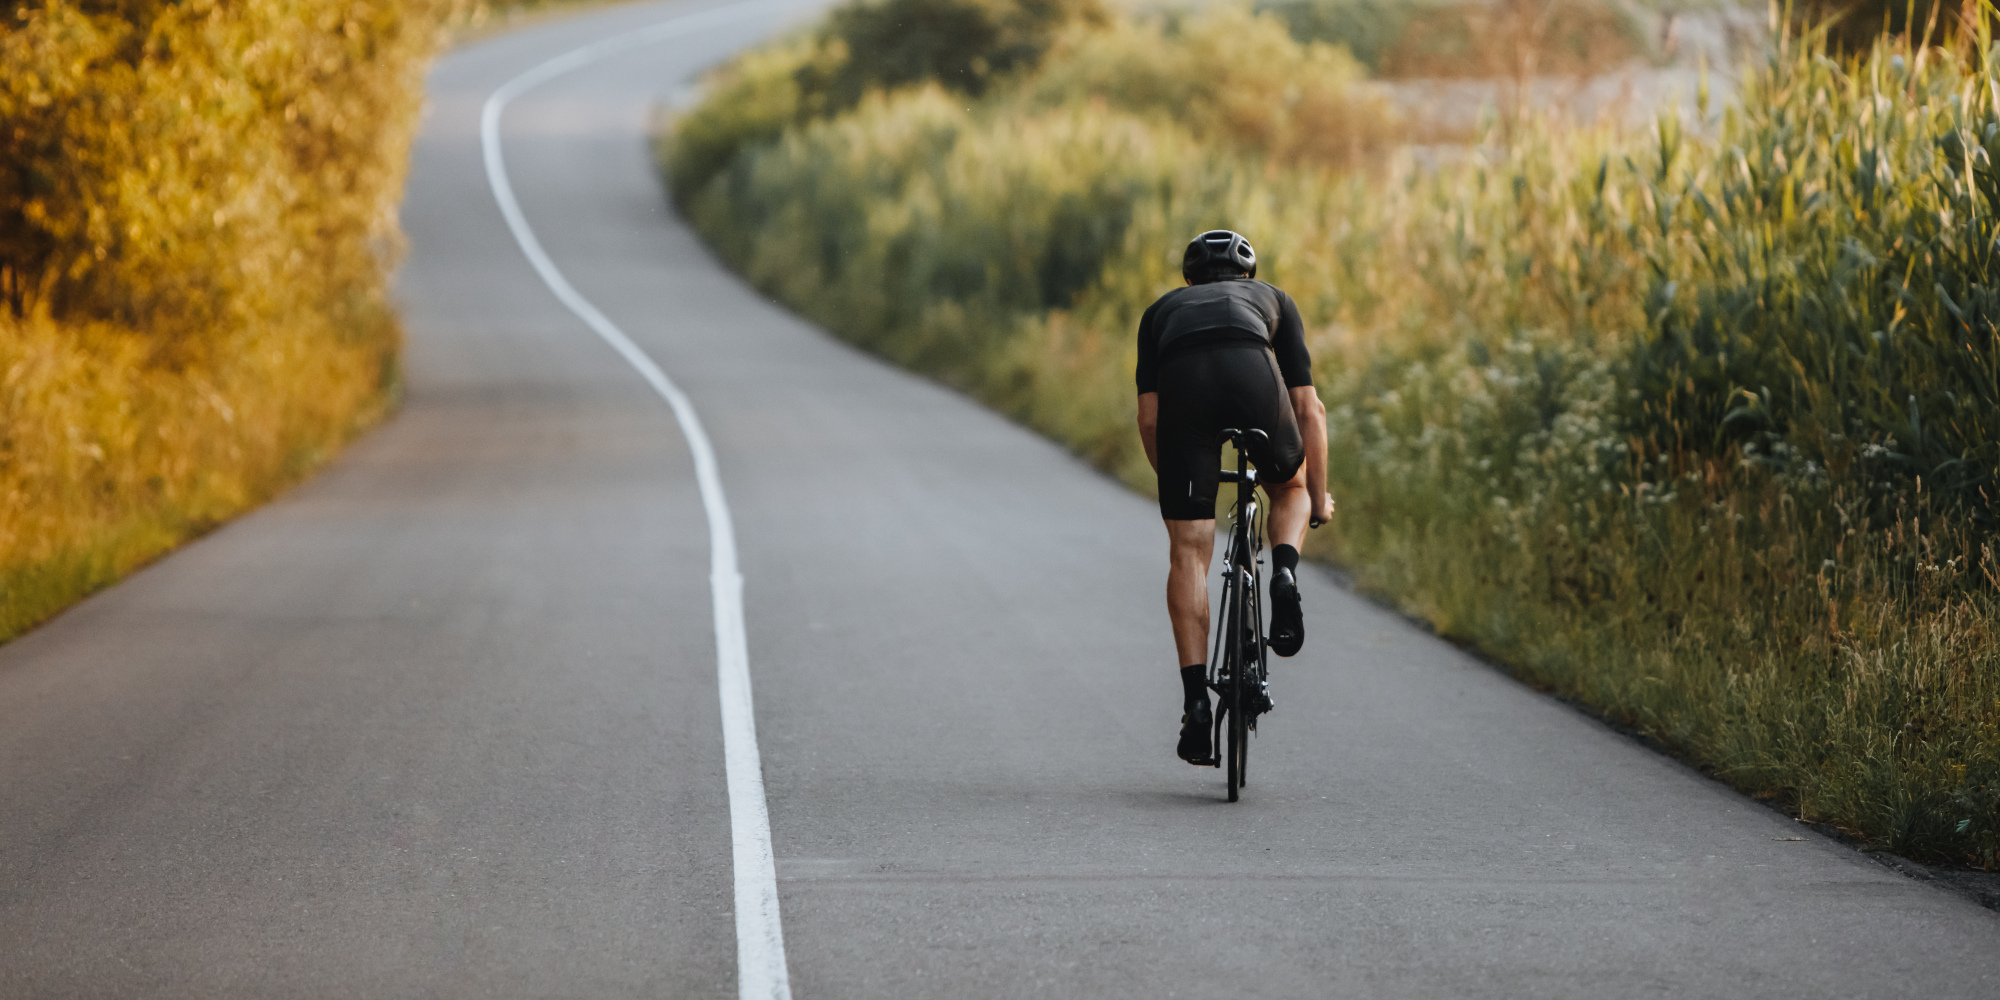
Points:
[(1244, 477)]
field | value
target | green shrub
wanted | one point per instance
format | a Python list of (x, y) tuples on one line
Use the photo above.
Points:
[(750, 104), (1367, 29), (1824, 295), (877, 46), (962, 45)]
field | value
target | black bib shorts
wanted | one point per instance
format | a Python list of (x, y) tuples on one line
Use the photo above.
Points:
[(1203, 390)]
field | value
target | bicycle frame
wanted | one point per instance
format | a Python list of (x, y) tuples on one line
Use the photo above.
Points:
[(1237, 667)]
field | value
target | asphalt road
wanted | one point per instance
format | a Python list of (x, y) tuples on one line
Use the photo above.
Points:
[(443, 722)]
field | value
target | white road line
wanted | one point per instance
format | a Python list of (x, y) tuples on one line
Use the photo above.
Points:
[(760, 937)]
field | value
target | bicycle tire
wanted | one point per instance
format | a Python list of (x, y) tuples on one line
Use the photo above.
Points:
[(1238, 690), (1253, 670), (1254, 692), (1252, 681)]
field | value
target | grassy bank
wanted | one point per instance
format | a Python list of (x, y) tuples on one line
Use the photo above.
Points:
[(1695, 426), (197, 219)]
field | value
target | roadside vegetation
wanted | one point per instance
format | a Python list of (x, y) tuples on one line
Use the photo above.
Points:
[(1695, 425), (1453, 38), (197, 220)]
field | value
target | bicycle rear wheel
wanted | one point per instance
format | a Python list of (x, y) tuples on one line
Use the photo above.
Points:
[(1238, 695)]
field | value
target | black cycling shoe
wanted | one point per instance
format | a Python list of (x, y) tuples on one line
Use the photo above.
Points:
[(1288, 622), (1197, 744)]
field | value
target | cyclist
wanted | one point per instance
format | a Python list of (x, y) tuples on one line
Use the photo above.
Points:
[(1227, 351)]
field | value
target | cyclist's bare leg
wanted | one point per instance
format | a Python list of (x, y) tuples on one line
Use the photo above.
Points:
[(1191, 544), (1291, 508), (1294, 503)]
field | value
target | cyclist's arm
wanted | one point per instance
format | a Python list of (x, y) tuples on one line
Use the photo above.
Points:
[(1288, 342), (1148, 378), (1312, 430), (1149, 426)]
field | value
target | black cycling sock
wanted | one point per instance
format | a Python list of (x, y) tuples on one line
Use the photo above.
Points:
[(1194, 683), (1285, 557)]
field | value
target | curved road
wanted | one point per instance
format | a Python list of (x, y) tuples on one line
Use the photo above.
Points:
[(444, 721)]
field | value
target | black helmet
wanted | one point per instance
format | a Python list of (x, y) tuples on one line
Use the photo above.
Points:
[(1217, 253)]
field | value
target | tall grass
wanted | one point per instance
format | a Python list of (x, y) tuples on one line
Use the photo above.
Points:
[(197, 216), (1694, 426)]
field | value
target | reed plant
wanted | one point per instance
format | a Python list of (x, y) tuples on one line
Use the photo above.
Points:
[(1692, 425), (197, 218)]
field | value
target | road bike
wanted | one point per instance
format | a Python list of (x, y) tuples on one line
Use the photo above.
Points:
[(1238, 672)]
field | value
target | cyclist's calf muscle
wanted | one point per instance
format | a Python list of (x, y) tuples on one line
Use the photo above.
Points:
[(1191, 546)]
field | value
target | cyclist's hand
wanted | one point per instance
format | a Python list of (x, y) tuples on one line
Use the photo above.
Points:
[(1322, 509)]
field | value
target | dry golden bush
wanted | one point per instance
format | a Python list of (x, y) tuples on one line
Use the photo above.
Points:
[(197, 218), (1237, 79)]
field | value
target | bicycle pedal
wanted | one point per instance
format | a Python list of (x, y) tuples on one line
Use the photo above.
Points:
[(1206, 762)]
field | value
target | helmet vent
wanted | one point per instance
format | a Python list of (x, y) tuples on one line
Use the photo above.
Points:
[(1218, 253)]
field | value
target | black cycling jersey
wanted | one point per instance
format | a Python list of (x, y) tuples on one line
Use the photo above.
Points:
[(1230, 310), (1221, 354)]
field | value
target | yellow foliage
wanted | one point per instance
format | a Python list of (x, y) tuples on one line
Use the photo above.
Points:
[(197, 217)]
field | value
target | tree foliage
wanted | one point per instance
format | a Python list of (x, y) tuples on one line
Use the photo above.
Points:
[(963, 45)]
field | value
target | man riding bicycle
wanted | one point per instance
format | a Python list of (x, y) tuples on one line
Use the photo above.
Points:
[(1227, 351)]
